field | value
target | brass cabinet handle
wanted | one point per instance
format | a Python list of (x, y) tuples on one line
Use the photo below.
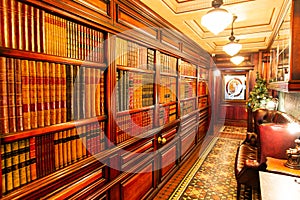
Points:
[(161, 140)]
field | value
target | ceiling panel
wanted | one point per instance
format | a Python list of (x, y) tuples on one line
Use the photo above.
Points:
[(257, 22)]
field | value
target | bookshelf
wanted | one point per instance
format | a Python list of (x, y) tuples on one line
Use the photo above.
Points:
[(83, 108)]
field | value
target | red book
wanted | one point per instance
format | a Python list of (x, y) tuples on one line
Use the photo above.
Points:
[(32, 158), (11, 94), (4, 127)]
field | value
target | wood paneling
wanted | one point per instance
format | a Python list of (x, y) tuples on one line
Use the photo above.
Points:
[(168, 160), (137, 186)]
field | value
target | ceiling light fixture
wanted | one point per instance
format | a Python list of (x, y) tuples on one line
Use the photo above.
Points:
[(233, 47), (237, 60), (217, 19)]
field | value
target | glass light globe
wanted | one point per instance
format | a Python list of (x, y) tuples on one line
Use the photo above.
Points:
[(232, 48), (216, 20)]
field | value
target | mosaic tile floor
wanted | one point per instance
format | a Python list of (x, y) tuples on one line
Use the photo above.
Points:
[(212, 175)]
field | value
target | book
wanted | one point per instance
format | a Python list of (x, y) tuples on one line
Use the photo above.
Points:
[(3, 169), (15, 164), (40, 94), (33, 94), (52, 93), (22, 162), (8, 167), (18, 95), (63, 83), (4, 120), (27, 160), (70, 92), (46, 93), (32, 158), (58, 93), (26, 94)]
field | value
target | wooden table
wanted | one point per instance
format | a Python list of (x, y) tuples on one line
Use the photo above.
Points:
[(277, 165)]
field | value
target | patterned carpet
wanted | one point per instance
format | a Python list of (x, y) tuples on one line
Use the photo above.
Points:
[(212, 176)]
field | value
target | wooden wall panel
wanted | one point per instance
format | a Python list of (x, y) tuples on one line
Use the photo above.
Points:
[(187, 142), (137, 186), (168, 157), (126, 18)]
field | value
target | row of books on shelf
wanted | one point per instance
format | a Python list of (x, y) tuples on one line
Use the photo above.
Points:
[(202, 88), (187, 69), (134, 90), (132, 125), (188, 88), (203, 73), (37, 94), (32, 29), (131, 54), (167, 89), (187, 107), (167, 114), (202, 102), (168, 64), (28, 159)]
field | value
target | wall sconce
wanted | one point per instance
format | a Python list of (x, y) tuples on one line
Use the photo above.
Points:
[(237, 60), (233, 47), (217, 19)]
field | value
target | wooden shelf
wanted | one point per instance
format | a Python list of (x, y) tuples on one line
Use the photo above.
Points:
[(124, 68), (168, 74), (285, 86), (48, 58), (48, 129), (125, 112)]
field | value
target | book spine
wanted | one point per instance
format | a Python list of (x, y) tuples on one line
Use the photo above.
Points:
[(73, 145), (40, 94), (63, 93), (27, 160), (46, 94), (70, 92), (38, 30), (82, 93), (18, 93), (33, 94), (22, 164), (102, 93), (58, 93), (52, 92), (5, 24), (15, 164), (26, 94), (8, 166), (32, 155), (98, 92), (92, 92), (3, 169), (69, 148), (4, 121), (87, 94)]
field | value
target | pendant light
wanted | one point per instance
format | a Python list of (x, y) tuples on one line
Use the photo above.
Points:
[(233, 47), (237, 60), (217, 19)]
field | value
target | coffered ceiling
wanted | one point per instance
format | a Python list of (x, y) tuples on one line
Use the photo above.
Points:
[(257, 23)]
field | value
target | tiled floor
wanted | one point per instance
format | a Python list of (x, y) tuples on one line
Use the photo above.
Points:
[(171, 185)]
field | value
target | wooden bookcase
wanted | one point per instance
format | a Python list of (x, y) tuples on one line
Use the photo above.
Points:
[(87, 101)]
